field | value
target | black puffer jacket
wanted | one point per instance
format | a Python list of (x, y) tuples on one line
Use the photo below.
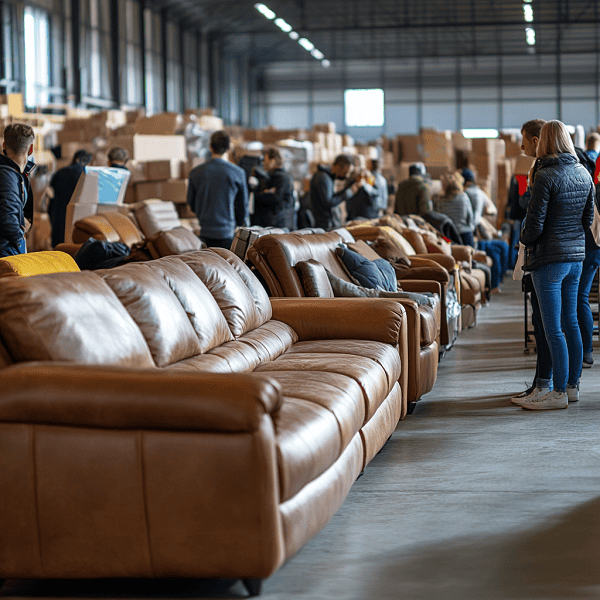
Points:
[(559, 213), (16, 200)]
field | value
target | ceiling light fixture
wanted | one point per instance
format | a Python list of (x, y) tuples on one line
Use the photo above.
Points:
[(265, 11), (528, 12), (283, 25), (306, 44), (530, 33)]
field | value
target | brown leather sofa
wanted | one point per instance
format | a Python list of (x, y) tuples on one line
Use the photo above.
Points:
[(167, 419), (276, 256)]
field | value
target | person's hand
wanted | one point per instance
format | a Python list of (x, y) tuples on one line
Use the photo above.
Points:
[(27, 226), (253, 182)]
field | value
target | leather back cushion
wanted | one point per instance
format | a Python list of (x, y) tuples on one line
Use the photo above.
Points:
[(361, 247), (415, 239), (72, 317), (150, 301), (398, 239), (175, 241), (385, 248), (235, 299), (155, 215), (275, 256), (109, 227), (314, 279)]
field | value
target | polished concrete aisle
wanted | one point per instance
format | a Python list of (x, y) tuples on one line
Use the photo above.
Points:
[(471, 499)]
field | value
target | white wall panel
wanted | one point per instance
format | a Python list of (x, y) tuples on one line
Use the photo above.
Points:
[(439, 115), (288, 117), (514, 114), (400, 118), (479, 115)]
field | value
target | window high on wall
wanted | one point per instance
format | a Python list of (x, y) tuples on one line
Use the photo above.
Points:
[(37, 56), (364, 108)]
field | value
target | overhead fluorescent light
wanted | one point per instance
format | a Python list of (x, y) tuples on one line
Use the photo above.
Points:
[(530, 36), (294, 35), (325, 63), (480, 133), (318, 54), (283, 25), (528, 12), (265, 11), (306, 44)]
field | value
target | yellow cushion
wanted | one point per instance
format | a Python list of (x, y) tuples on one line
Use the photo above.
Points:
[(37, 263), (399, 240)]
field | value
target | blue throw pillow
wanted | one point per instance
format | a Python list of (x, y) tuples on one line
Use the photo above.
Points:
[(375, 274)]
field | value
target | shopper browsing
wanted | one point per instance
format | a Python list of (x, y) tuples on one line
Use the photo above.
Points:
[(559, 213), (16, 197)]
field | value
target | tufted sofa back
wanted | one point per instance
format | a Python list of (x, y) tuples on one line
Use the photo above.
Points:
[(147, 315)]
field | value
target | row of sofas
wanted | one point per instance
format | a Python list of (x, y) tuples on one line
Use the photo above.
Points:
[(168, 419)]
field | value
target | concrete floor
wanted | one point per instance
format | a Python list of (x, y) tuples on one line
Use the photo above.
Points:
[(471, 499)]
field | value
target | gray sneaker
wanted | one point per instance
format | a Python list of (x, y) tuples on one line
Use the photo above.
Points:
[(552, 400), (573, 393), (537, 393)]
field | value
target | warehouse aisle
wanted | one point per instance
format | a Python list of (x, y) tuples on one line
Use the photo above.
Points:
[(471, 499)]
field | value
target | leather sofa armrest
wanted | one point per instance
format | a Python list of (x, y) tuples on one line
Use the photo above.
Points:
[(71, 249), (377, 319), (482, 257), (462, 253), (448, 262), (114, 397)]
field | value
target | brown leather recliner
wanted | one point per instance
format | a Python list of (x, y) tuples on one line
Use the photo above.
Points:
[(275, 258), (167, 419)]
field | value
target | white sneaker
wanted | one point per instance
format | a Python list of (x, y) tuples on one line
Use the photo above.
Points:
[(573, 394), (537, 393), (550, 401)]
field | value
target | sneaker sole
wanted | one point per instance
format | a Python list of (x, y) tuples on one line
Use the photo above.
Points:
[(534, 407), (587, 365)]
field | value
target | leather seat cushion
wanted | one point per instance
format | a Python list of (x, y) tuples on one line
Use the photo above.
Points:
[(367, 372)]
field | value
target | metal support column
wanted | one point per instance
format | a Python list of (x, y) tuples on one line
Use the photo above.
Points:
[(182, 106), (142, 40), (115, 52), (164, 58), (76, 50)]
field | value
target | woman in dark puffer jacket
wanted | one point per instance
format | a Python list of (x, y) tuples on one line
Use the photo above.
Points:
[(559, 213)]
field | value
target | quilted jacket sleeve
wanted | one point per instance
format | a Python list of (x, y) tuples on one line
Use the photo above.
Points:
[(537, 209), (11, 206)]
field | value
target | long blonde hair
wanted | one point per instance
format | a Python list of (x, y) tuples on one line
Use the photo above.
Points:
[(555, 139)]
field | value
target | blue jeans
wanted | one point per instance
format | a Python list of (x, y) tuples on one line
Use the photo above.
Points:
[(8, 249), (584, 312), (556, 286), (543, 366), (498, 251)]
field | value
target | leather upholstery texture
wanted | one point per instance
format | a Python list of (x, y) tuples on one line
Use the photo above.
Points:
[(276, 256), (167, 419)]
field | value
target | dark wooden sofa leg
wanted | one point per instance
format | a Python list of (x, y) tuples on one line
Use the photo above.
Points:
[(2, 583), (410, 408), (253, 586)]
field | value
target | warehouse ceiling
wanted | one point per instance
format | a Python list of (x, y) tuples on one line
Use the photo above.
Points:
[(395, 29)]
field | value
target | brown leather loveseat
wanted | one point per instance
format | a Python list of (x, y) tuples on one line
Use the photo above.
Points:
[(166, 419)]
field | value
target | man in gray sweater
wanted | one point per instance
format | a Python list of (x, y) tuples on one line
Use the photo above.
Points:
[(218, 194)]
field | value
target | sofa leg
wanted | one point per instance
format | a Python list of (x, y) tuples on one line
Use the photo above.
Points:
[(2, 583), (410, 408), (253, 586)]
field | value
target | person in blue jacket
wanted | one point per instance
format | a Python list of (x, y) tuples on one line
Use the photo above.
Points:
[(218, 194), (559, 213), (16, 197)]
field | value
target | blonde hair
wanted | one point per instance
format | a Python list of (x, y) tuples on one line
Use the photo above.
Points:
[(453, 183), (555, 139)]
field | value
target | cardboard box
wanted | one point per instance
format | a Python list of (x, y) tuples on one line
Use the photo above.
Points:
[(437, 147), (174, 190), (409, 148), (167, 123), (158, 170), (210, 123), (325, 127), (158, 147), (68, 149), (122, 141), (523, 164)]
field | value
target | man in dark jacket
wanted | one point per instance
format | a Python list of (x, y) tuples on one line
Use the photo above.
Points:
[(16, 197), (117, 158), (63, 184), (274, 202), (218, 194), (412, 194), (324, 200)]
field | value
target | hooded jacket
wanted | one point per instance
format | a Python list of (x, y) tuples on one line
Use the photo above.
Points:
[(16, 200), (324, 200), (559, 213)]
